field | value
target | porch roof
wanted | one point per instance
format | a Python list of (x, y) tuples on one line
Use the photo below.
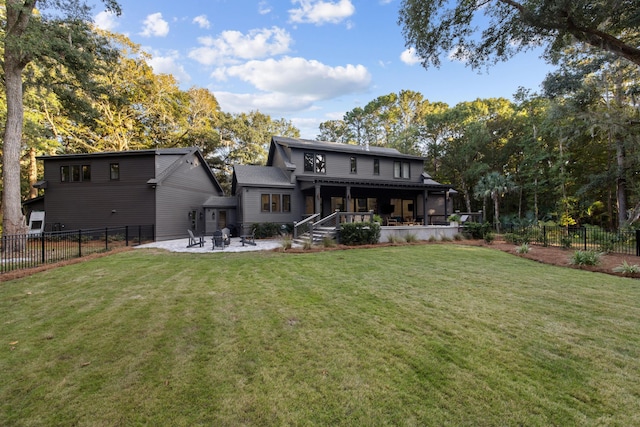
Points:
[(259, 176), (427, 184)]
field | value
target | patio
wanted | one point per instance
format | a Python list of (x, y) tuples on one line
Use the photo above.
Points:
[(180, 245)]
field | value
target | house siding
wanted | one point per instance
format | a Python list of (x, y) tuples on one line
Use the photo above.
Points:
[(99, 202), (186, 189)]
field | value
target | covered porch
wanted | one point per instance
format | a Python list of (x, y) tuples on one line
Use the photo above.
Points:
[(397, 203)]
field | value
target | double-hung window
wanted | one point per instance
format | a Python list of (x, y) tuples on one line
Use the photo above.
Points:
[(401, 170)]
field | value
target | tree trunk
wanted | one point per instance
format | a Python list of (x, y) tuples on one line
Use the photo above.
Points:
[(13, 221), (33, 173), (496, 212)]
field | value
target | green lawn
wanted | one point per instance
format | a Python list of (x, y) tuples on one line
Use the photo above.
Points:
[(404, 335)]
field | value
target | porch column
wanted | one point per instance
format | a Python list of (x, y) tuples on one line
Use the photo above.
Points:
[(317, 204), (347, 199), (425, 195)]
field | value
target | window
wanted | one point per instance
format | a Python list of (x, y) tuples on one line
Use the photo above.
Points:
[(354, 165), (266, 203), (64, 173), (75, 173), (114, 171), (275, 202), (401, 170), (315, 162), (376, 166), (286, 203)]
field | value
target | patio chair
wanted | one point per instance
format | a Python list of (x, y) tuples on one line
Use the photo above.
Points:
[(226, 235), (218, 239), (195, 241), (249, 239)]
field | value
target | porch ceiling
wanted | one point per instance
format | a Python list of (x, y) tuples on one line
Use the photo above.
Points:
[(308, 182)]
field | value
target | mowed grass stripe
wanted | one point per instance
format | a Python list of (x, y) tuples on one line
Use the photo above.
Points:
[(403, 335)]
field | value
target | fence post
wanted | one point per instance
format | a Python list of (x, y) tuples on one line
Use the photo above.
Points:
[(637, 242), (106, 238), (126, 235), (584, 229), (42, 247), (79, 243)]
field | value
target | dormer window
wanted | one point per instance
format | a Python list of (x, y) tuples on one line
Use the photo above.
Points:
[(401, 170), (315, 162)]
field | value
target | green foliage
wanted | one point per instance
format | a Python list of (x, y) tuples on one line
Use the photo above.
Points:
[(393, 238), (626, 268), (287, 242), (587, 257), (435, 29), (410, 238), (328, 242), (489, 237), (264, 230), (523, 249), (359, 233), (476, 230)]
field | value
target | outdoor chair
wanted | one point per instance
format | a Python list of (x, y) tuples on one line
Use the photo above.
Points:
[(218, 239), (249, 239), (195, 241), (226, 236)]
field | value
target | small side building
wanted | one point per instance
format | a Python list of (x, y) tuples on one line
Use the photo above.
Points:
[(166, 188)]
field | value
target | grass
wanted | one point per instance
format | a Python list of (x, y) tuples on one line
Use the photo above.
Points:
[(401, 335)]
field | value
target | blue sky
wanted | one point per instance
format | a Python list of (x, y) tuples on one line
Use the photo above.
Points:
[(307, 61)]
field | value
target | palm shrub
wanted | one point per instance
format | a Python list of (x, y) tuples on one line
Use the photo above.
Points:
[(626, 268), (587, 257)]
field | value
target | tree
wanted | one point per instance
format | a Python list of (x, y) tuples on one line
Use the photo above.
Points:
[(433, 28), (494, 185), (63, 38)]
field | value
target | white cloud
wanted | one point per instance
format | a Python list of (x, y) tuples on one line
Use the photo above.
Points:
[(155, 26), (410, 57), (289, 85), (202, 21), (264, 8), (320, 12), (106, 20), (232, 46), (169, 65), (300, 77)]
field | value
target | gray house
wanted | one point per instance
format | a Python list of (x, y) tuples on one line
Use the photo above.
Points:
[(175, 190), (171, 189), (303, 177)]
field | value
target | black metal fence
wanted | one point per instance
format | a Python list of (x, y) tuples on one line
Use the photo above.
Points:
[(625, 242), (28, 250)]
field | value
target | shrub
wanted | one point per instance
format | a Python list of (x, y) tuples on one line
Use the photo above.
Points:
[(360, 233), (626, 268), (410, 238), (489, 237), (458, 237), (328, 242), (476, 230), (287, 242), (523, 249), (308, 244), (264, 230), (433, 238), (395, 239), (587, 257)]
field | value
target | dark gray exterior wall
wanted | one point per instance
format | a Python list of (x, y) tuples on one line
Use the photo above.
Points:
[(186, 189), (100, 202)]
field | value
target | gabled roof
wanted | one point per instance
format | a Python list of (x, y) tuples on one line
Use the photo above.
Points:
[(259, 176), (338, 147), (183, 153)]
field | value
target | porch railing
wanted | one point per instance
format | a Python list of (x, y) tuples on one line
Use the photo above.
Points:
[(301, 227)]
